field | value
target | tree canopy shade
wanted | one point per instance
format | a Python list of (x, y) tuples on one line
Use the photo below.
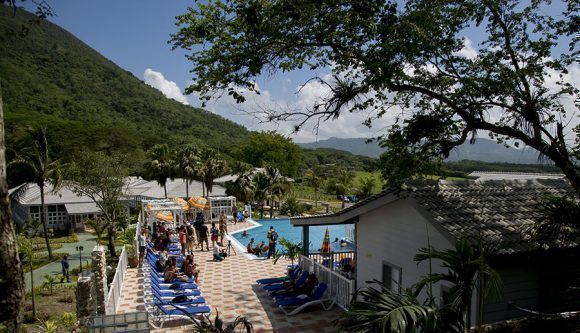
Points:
[(412, 57), (270, 148)]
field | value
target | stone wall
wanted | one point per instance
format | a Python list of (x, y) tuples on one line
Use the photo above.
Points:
[(85, 304), (99, 277)]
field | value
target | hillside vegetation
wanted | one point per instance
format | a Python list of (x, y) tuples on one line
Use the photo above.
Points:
[(51, 78)]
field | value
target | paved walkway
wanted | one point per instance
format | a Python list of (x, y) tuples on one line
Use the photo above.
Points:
[(230, 288), (86, 240)]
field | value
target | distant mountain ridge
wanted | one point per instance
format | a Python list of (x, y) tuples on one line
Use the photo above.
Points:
[(484, 150), (51, 78)]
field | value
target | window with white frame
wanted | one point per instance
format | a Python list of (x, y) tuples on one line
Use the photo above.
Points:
[(392, 277)]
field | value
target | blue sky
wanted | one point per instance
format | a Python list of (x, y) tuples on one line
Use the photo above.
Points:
[(134, 35)]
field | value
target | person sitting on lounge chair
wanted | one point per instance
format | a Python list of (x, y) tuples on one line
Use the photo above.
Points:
[(292, 290), (171, 273)]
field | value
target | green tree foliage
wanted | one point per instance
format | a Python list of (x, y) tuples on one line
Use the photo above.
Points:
[(262, 184), (161, 165), (314, 180), (101, 177), (188, 163), (86, 101), (411, 56), (383, 310), (319, 157), (341, 184), (212, 166), (366, 186), (559, 224), (42, 169), (270, 148), (292, 207), (242, 187), (289, 250)]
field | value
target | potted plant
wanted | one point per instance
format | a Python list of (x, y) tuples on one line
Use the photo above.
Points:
[(289, 251)]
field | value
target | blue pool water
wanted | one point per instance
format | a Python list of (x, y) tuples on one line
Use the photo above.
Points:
[(294, 234)]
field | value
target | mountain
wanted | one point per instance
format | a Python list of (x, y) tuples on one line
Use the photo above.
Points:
[(483, 150), (355, 146), (50, 78)]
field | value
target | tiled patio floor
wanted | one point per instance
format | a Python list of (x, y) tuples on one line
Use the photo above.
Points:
[(230, 288)]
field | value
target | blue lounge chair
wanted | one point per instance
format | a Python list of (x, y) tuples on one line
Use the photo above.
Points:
[(279, 286), (167, 300), (291, 275), (300, 303), (163, 312), (169, 292)]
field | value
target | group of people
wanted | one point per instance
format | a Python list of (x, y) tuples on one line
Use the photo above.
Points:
[(173, 272), (261, 247)]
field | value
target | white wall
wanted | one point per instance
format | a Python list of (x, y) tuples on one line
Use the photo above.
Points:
[(394, 233)]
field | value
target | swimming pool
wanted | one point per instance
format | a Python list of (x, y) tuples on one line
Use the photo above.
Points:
[(293, 234)]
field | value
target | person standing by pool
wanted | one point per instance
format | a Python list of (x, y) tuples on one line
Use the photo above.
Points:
[(189, 238), (223, 227), (202, 234), (214, 234), (182, 239), (272, 239), (235, 213)]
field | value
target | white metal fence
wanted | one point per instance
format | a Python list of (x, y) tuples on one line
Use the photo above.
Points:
[(114, 296), (340, 288)]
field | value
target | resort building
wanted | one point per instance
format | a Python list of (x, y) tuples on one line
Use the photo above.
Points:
[(65, 210), (391, 227)]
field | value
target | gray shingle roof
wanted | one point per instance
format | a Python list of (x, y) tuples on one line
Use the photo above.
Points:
[(501, 210)]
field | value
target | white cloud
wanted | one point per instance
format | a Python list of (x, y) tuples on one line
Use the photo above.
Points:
[(468, 51), (168, 88)]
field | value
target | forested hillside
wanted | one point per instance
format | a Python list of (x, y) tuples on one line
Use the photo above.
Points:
[(53, 79)]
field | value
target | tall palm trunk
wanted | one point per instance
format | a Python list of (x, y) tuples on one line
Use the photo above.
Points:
[(187, 188), (33, 296), (165, 190), (111, 236), (43, 220), (11, 276)]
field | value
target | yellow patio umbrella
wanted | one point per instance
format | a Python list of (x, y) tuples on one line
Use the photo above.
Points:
[(164, 215), (198, 202), (326, 242), (184, 205)]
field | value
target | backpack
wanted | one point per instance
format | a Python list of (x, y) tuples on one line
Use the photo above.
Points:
[(274, 236)]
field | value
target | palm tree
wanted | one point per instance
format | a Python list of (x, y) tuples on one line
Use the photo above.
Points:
[(381, 310), (262, 185), (275, 180), (242, 188), (188, 164), (467, 268), (367, 184), (315, 181), (343, 184), (25, 248), (212, 166), (50, 281), (43, 169), (161, 165), (289, 251)]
